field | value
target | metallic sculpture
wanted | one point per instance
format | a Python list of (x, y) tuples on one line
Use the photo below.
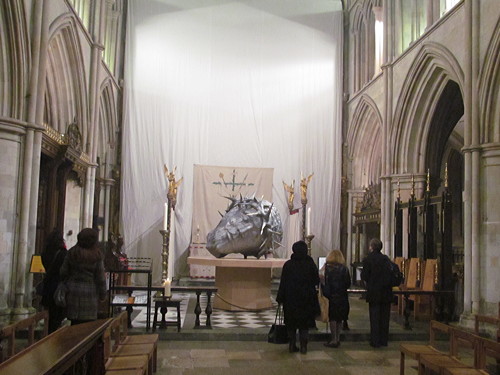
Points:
[(249, 227)]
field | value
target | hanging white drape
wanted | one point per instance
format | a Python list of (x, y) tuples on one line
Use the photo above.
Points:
[(230, 83)]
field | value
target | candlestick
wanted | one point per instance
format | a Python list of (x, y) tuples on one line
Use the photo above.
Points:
[(308, 221), (167, 292), (165, 216)]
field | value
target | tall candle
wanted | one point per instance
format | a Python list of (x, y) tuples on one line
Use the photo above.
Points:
[(308, 229), (165, 217), (167, 288)]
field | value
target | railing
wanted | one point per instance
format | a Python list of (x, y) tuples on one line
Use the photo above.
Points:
[(198, 290)]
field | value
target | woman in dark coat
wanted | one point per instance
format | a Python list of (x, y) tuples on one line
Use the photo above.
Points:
[(53, 256), (83, 270), (297, 292), (337, 280)]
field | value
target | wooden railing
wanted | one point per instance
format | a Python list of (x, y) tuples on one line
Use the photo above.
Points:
[(198, 290)]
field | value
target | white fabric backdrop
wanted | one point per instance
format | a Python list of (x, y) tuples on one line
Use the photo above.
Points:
[(230, 83)]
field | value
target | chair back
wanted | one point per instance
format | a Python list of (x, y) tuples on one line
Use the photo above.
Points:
[(466, 340)]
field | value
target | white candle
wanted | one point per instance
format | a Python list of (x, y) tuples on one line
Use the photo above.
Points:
[(165, 217), (167, 288), (308, 228)]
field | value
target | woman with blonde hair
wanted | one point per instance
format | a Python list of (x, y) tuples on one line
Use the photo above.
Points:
[(337, 280)]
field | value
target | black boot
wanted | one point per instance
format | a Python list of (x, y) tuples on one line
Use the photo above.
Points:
[(304, 338), (303, 346), (292, 346)]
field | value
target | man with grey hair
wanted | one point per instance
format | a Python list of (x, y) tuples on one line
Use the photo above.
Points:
[(376, 275)]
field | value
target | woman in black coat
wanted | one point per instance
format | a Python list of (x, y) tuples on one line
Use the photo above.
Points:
[(297, 292), (52, 259), (337, 280)]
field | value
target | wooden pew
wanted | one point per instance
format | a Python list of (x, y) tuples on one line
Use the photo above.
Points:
[(412, 279), (416, 350), (486, 319), (10, 333), (136, 364), (143, 339), (487, 348), (61, 351), (119, 350), (438, 363)]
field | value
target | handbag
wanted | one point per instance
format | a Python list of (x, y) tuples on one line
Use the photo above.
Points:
[(278, 333), (60, 294), (324, 304), (325, 288)]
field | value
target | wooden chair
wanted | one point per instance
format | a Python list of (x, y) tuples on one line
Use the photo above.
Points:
[(438, 363), (131, 365), (416, 350), (412, 278), (487, 348), (147, 339), (30, 324), (423, 306)]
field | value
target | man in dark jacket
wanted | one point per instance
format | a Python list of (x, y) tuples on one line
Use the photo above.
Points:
[(297, 292), (376, 275)]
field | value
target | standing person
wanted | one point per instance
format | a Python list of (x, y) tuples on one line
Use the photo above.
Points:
[(379, 296), (53, 256), (297, 292), (83, 271), (337, 280)]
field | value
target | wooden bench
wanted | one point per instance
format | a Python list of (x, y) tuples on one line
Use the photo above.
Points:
[(438, 363), (62, 351), (416, 350), (487, 349), (480, 320), (126, 339), (129, 353), (10, 334), (133, 364)]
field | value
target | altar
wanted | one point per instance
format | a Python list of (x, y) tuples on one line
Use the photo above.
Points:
[(243, 284)]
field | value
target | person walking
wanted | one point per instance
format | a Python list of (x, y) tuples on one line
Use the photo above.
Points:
[(376, 275), (53, 256), (83, 272), (337, 280), (297, 292)]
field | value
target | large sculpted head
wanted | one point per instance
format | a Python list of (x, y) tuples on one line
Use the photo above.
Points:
[(249, 227)]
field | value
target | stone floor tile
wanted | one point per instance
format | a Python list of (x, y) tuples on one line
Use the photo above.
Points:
[(210, 362), (208, 353), (249, 355)]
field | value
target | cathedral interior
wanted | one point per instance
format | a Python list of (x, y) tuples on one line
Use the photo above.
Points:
[(391, 107)]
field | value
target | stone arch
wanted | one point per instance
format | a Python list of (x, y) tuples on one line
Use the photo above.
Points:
[(66, 95), (14, 59), (108, 122), (365, 143), (427, 80), (363, 53), (489, 97)]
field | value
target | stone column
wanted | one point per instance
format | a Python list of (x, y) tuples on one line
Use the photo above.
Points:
[(353, 196), (108, 183), (12, 133), (472, 214), (490, 229), (37, 101), (385, 186)]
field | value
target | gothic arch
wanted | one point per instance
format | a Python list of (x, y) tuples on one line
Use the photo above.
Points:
[(489, 97), (363, 52), (108, 123), (14, 59), (365, 143), (428, 78), (66, 95)]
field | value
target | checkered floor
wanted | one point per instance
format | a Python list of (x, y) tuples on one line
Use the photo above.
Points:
[(219, 318)]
